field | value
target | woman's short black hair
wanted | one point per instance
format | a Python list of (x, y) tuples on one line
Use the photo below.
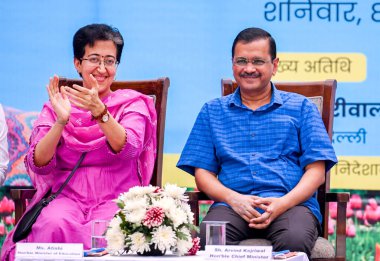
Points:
[(89, 34)]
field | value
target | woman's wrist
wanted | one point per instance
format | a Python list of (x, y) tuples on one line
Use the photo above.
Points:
[(62, 122), (99, 114), (97, 108)]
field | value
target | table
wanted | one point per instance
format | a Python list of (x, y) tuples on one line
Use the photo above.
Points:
[(40, 251), (201, 256), (170, 257)]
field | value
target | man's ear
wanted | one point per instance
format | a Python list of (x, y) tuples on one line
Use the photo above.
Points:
[(275, 66)]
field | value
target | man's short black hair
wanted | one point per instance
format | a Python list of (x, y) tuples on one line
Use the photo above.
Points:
[(252, 34)]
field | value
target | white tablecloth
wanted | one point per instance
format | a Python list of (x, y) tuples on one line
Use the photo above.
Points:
[(170, 257)]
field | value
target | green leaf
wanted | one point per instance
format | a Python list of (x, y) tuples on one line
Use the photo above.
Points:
[(120, 204), (181, 235)]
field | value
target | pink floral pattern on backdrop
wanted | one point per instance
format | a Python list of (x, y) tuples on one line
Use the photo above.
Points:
[(19, 129)]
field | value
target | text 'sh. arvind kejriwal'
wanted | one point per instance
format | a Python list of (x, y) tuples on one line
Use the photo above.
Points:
[(239, 253)]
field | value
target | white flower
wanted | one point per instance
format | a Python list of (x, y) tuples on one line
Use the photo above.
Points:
[(138, 242), (175, 192), (136, 216), (114, 236), (183, 246), (137, 203), (166, 203), (184, 242), (151, 216), (187, 209), (120, 199), (177, 216), (137, 191), (164, 237), (185, 231)]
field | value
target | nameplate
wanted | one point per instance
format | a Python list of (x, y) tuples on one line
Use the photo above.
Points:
[(38, 251), (253, 253)]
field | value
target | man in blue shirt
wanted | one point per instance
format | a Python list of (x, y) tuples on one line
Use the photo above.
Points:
[(260, 153)]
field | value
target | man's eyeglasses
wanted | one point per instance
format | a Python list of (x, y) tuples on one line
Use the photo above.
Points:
[(108, 61), (243, 62)]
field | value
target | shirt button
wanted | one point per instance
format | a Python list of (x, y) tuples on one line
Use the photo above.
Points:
[(253, 134)]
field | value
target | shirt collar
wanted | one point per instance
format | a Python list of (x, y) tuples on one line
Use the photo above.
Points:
[(235, 98)]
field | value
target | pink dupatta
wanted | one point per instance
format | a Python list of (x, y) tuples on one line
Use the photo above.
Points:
[(83, 134)]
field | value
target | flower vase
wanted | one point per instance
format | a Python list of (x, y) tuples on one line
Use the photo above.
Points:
[(152, 252)]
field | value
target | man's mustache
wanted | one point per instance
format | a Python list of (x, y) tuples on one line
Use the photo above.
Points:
[(254, 74)]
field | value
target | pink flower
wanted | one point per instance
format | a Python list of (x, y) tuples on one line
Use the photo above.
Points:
[(349, 211), (157, 190), (154, 217), (378, 213), (351, 230), (359, 215), (372, 203), (194, 249), (7, 206), (356, 201), (370, 214), (332, 209), (331, 228), (2, 229), (9, 220)]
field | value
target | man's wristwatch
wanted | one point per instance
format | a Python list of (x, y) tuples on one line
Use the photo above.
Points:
[(104, 116)]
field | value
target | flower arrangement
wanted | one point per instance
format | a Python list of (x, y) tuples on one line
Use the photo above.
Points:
[(152, 218)]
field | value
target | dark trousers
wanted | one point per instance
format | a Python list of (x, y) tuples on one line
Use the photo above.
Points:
[(295, 230)]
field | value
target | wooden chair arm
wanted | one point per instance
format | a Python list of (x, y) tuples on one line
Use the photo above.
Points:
[(342, 198), (19, 196), (22, 193), (197, 195), (337, 197), (194, 198)]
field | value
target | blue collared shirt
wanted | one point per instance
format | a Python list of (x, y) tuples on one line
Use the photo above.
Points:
[(262, 152)]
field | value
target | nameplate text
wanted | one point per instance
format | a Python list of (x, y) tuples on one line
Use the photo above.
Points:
[(252, 253), (40, 251)]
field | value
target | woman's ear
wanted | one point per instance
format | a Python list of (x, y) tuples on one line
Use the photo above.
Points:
[(78, 65)]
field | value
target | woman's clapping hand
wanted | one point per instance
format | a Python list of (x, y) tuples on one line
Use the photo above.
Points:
[(59, 100)]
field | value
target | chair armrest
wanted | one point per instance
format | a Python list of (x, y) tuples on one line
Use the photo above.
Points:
[(337, 197), (342, 198), (197, 195), (194, 198), (22, 193), (20, 196)]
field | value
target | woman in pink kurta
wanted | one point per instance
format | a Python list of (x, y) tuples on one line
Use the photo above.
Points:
[(116, 129)]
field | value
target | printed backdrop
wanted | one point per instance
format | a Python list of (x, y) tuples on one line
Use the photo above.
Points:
[(190, 42)]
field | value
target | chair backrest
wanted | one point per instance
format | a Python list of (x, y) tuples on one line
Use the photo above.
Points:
[(158, 88), (326, 90)]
